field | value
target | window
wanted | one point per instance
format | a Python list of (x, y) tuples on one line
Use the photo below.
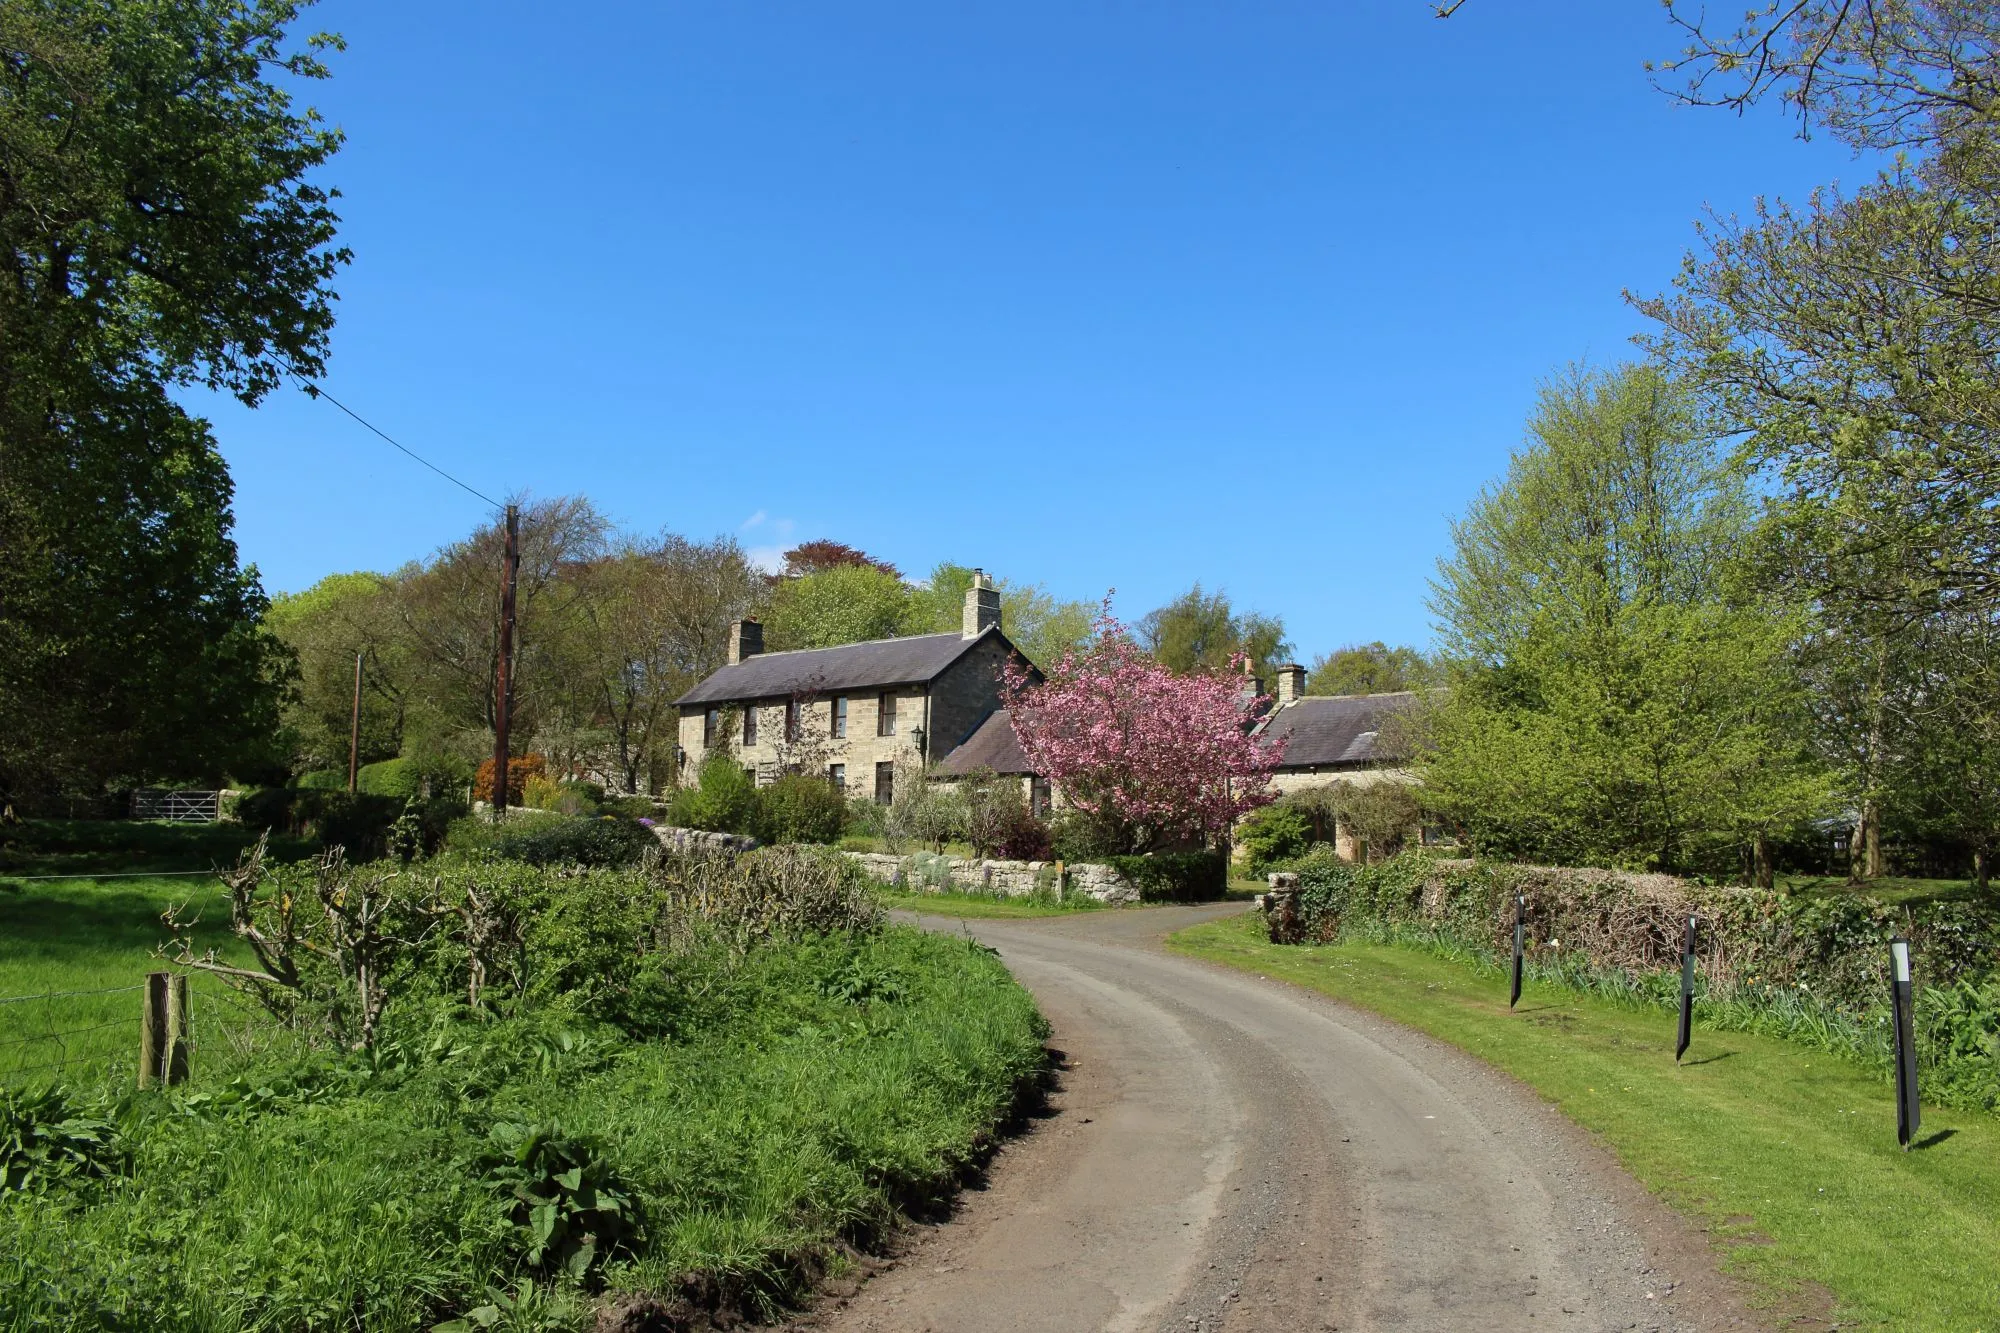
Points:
[(885, 714), (839, 724), (791, 720), (750, 724), (837, 775), (885, 782), (709, 722), (1038, 797)]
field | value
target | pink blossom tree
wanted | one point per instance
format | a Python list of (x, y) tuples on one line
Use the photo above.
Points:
[(1150, 757)]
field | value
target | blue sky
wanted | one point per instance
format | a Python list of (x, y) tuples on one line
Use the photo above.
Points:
[(1090, 294)]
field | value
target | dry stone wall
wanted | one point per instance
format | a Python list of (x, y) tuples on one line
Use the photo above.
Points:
[(921, 872)]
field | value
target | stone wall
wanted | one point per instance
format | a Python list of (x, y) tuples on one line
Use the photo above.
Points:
[(694, 839), (923, 872)]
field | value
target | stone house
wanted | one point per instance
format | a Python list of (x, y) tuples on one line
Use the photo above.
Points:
[(1353, 738), (1335, 738), (859, 714), (995, 749)]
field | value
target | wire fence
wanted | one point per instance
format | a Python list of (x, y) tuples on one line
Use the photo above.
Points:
[(92, 1036)]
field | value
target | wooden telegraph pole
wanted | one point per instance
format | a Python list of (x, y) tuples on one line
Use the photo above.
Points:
[(354, 732), (503, 700)]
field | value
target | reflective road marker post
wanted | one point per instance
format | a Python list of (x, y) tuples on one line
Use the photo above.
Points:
[(1907, 1112), (1687, 993), (1520, 944)]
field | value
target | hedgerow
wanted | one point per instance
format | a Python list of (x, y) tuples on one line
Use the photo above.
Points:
[(1814, 968)]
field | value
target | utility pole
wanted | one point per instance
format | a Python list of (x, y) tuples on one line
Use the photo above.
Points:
[(354, 732), (503, 701)]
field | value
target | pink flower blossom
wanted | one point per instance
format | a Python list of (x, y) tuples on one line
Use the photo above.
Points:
[(1153, 757)]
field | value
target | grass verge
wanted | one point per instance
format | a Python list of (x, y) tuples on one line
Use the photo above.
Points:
[(780, 1103), (1786, 1156), (989, 905)]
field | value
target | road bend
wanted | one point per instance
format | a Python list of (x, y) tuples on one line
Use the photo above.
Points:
[(1230, 1153)]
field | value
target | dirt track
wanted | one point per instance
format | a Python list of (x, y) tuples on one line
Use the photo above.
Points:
[(1228, 1153)]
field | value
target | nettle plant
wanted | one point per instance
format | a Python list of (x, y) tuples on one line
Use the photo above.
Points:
[(1150, 757)]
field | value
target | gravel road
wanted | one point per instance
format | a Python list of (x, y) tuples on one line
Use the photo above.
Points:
[(1225, 1152)]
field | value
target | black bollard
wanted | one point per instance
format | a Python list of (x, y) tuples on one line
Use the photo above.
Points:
[(1687, 994), (1901, 1009), (1520, 945)]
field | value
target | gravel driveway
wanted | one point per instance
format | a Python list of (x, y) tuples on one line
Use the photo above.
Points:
[(1230, 1153)]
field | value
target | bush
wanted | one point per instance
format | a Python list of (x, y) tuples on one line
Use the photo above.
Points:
[(391, 777), (723, 799), (574, 841), (1175, 877), (1276, 833), (798, 808), (998, 821), (323, 779), (518, 773), (629, 807), (359, 823), (1075, 837)]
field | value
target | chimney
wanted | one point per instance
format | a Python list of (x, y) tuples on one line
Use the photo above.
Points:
[(1291, 683), (746, 639), (982, 605)]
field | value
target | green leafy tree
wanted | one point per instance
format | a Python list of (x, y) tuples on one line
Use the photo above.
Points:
[(326, 627), (1367, 668), (845, 603), (156, 229), (1202, 632), (1039, 625), (1616, 695)]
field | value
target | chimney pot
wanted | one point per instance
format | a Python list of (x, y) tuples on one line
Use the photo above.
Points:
[(1291, 683), (746, 639), (982, 605)]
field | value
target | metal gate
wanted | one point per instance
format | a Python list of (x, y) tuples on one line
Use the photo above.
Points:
[(177, 807)]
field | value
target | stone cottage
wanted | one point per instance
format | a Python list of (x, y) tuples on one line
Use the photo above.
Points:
[(858, 713), (1335, 738)]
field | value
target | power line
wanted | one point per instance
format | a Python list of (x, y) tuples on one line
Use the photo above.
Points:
[(314, 390)]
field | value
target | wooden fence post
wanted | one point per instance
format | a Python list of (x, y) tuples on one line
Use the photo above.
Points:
[(152, 1028), (174, 1059)]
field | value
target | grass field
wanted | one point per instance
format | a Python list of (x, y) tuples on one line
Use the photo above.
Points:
[(73, 953), (1787, 1156)]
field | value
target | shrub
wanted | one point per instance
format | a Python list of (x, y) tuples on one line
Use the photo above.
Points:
[(1274, 834), (798, 808), (391, 777), (574, 841), (1175, 877), (324, 779), (518, 773), (359, 823), (723, 799), (1076, 837), (629, 807), (998, 821)]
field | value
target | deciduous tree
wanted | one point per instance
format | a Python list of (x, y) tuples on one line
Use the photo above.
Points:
[(1151, 756)]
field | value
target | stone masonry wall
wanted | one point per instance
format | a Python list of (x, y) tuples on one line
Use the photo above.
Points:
[(1014, 879)]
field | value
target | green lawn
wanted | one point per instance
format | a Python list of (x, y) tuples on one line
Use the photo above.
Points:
[(124, 846), (97, 936), (1786, 1155), (1897, 889)]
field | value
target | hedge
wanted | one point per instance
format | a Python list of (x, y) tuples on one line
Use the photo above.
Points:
[(1174, 877), (1818, 959), (567, 840), (359, 823)]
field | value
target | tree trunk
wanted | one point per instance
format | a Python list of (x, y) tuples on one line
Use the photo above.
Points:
[(1871, 824), (1980, 870), (1761, 872)]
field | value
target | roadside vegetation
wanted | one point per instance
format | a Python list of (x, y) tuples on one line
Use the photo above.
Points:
[(673, 1088), (1785, 1155)]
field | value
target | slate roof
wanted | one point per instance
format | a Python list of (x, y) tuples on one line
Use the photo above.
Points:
[(1337, 729), (992, 745), (876, 664)]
